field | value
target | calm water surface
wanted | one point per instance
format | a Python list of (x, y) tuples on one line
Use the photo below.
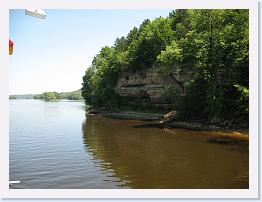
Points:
[(53, 145)]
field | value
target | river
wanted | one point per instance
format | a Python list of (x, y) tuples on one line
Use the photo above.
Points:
[(53, 145)]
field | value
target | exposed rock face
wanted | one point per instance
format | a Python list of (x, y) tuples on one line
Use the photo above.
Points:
[(146, 87)]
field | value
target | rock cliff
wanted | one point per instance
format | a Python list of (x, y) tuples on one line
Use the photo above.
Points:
[(146, 86)]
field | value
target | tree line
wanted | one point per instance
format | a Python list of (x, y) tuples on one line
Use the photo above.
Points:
[(212, 43), (49, 96)]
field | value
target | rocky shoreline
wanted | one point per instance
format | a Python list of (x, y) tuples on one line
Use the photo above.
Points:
[(157, 120)]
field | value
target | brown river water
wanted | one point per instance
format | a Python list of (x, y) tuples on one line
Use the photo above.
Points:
[(54, 145)]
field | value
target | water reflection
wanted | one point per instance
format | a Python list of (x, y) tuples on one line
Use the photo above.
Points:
[(50, 150), (142, 157)]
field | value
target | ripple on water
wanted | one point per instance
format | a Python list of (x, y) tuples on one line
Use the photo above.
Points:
[(53, 145)]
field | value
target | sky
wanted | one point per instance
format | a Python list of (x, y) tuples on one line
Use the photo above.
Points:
[(53, 54)]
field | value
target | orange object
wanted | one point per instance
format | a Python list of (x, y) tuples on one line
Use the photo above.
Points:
[(11, 47)]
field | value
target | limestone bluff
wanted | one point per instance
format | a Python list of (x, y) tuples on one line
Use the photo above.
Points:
[(146, 86)]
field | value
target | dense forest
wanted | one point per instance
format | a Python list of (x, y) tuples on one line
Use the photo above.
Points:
[(211, 43)]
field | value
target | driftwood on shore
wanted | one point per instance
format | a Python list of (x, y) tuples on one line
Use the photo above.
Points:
[(168, 118)]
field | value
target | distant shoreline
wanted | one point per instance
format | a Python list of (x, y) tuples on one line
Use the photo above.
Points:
[(57, 100), (73, 95)]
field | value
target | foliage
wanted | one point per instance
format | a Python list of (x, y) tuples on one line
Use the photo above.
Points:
[(170, 58), (214, 44), (244, 94), (211, 44), (11, 97), (50, 96), (74, 95), (101, 77), (153, 38), (194, 103)]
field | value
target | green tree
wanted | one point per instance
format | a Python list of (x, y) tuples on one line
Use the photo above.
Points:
[(153, 38), (49, 96), (211, 46)]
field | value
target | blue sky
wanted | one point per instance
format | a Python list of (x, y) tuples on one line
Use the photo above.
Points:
[(53, 54)]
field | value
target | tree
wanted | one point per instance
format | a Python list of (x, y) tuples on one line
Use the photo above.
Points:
[(49, 96), (210, 46), (153, 37)]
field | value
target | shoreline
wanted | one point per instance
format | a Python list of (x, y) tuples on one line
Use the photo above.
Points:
[(155, 117)]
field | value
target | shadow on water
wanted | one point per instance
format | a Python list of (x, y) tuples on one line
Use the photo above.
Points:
[(143, 155), (149, 125), (227, 141), (233, 143)]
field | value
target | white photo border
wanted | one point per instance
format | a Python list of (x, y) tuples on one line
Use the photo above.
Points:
[(251, 193)]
